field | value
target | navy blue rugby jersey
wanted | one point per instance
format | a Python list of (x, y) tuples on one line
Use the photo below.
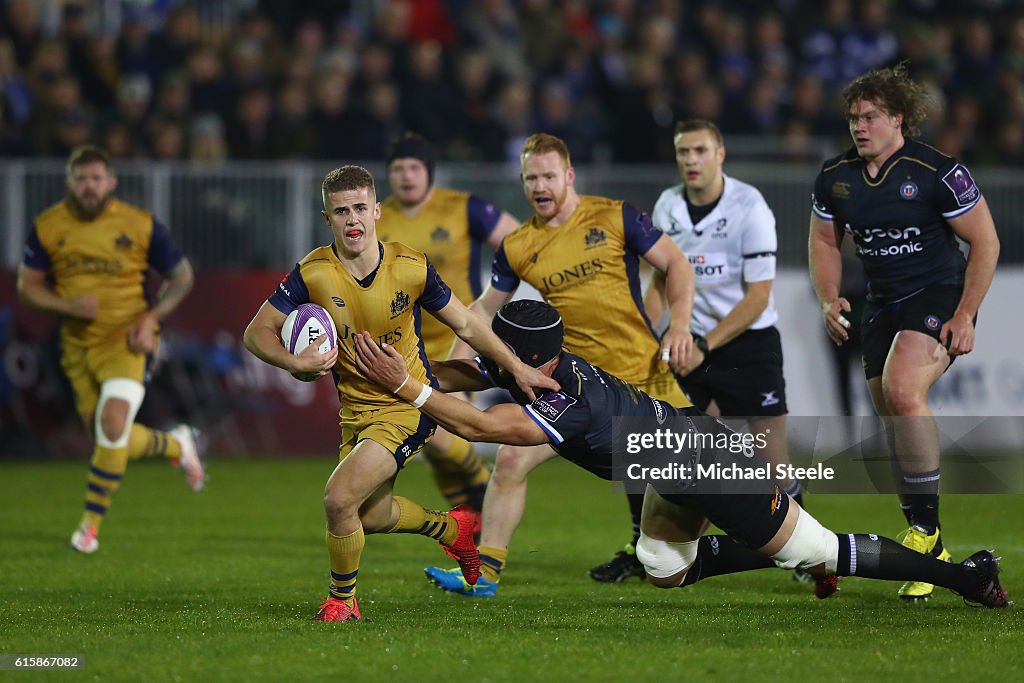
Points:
[(898, 219), (578, 418)]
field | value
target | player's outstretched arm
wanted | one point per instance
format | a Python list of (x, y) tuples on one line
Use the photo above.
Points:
[(263, 339), (389, 370), (485, 306), (474, 330), (504, 423), (826, 264)]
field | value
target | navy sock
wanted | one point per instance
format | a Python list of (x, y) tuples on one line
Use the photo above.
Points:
[(717, 555), (877, 557), (636, 508), (919, 492)]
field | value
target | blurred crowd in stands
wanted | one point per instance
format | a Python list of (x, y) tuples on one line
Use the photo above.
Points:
[(336, 79)]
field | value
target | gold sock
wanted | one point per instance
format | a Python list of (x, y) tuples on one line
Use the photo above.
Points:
[(457, 469), (105, 472), (413, 518), (144, 442), (492, 561), (345, 552)]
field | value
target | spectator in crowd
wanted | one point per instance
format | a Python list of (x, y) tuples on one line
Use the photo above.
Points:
[(476, 76)]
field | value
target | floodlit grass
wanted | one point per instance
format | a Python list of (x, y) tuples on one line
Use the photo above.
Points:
[(220, 586)]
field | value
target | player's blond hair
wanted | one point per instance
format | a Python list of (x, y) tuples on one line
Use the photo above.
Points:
[(894, 92), (347, 178), (542, 143)]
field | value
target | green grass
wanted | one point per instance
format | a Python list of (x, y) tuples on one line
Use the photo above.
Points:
[(220, 586)]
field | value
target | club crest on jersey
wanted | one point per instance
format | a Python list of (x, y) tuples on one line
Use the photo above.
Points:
[(440, 235), (908, 190), (841, 190), (719, 232), (595, 237), (123, 242), (399, 304), (932, 322)]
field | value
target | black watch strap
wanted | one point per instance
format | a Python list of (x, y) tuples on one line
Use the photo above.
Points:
[(701, 343)]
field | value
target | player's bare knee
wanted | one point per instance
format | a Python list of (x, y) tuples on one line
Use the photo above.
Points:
[(510, 466), (118, 402), (113, 419), (903, 398), (338, 505)]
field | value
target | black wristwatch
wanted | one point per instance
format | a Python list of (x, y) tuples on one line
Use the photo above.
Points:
[(702, 344)]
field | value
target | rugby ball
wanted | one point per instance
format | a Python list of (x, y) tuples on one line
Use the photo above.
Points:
[(304, 325)]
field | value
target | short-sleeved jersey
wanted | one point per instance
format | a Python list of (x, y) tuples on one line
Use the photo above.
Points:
[(588, 269), (107, 257), (450, 229), (389, 308), (898, 220), (578, 419), (732, 245)]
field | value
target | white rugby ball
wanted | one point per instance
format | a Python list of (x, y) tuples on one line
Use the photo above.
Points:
[(304, 325)]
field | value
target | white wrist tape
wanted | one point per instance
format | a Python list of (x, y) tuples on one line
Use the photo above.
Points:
[(424, 395)]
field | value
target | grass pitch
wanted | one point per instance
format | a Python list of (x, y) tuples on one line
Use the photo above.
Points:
[(220, 586)]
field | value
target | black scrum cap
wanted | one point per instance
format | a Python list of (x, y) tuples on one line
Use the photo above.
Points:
[(414, 146), (532, 328)]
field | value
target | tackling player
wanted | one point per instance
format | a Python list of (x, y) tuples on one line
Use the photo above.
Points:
[(86, 259), (771, 529), (365, 284)]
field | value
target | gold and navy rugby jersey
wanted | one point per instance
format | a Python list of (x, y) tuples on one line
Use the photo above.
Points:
[(588, 269), (450, 229), (387, 304), (108, 257)]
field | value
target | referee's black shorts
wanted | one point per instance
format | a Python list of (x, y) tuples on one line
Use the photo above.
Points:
[(744, 377)]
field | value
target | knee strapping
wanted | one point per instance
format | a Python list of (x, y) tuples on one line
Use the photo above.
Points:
[(126, 390), (810, 545), (663, 559)]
